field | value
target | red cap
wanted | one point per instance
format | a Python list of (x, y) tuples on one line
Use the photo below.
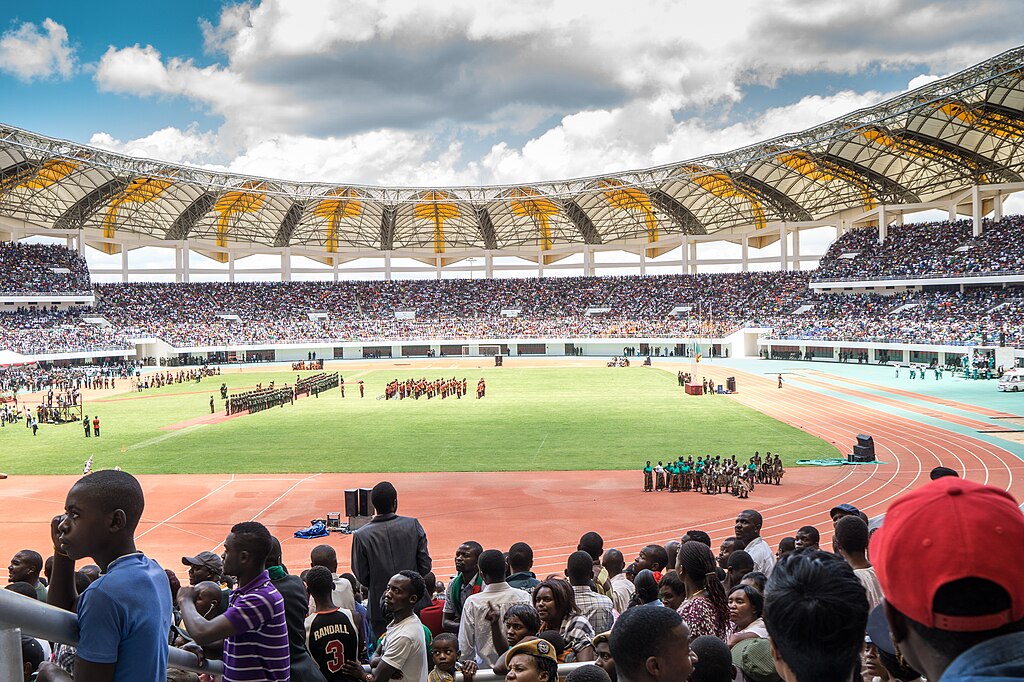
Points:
[(947, 530)]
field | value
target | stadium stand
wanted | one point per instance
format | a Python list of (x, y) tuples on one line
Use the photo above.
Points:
[(42, 268)]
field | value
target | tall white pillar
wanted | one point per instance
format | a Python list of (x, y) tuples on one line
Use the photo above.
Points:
[(745, 257), (387, 266), (437, 266), (336, 264), (186, 261), (124, 263), (952, 212), (783, 248), (883, 224), (231, 266), (976, 210), (489, 265), (588, 261), (686, 255), (997, 207), (796, 250), (643, 262), (540, 264), (286, 264)]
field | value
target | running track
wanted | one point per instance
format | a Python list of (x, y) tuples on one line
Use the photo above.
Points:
[(550, 510)]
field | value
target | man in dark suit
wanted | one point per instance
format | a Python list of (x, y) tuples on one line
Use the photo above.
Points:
[(385, 546)]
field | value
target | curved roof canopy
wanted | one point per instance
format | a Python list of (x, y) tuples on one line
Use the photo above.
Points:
[(962, 130)]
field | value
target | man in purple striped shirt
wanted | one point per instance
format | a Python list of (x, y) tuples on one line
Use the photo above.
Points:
[(252, 632)]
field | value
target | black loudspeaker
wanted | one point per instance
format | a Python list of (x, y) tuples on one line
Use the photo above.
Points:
[(864, 450), (730, 384), (364, 503), (352, 502), (497, 361)]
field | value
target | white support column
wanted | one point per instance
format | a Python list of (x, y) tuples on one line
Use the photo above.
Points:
[(437, 266), (336, 263), (177, 264), (69, 243), (186, 262), (783, 248), (231, 266), (952, 212), (686, 255), (643, 262), (745, 258), (883, 224), (489, 265), (997, 207), (540, 264), (796, 251), (286, 264), (124, 263), (387, 266), (976, 211)]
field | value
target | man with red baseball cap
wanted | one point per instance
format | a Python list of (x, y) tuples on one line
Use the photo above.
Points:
[(949, 561)]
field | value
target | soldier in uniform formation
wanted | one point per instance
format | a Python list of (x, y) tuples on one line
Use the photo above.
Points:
[(161, 379), (713, 475), (427, 388), (260, 399), (316, 384)]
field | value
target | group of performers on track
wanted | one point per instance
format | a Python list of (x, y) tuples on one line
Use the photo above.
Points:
[(260, 399), (316, 384), (713, 475), (432, 388), (161, 379)]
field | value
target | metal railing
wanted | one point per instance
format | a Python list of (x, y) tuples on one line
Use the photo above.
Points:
[(19, 614)]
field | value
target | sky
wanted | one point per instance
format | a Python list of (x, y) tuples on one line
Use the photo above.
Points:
[(467, 92)]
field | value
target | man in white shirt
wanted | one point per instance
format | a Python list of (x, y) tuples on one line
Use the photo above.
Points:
[(748, 530), (475, 639), (622, 589), (404, 648), (326, 556)]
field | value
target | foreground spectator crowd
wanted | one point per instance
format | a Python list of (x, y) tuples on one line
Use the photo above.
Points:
[(664, 306), (886, 603)]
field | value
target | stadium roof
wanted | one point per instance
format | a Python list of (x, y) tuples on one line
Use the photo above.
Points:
[(964, 130)]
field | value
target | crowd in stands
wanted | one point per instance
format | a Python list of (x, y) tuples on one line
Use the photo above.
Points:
[(35, 378), (881, 602), (663, 306), (942, 249), (42, 268)]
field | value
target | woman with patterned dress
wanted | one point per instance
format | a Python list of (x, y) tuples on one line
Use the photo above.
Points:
[(705, 609)]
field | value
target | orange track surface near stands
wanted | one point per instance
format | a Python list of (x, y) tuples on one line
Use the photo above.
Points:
[(550, 510)]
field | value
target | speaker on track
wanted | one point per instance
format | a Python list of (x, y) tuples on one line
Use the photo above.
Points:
[(352, 502), (365, 509)]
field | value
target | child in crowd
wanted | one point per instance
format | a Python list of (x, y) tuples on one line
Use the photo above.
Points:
[(446, 660)]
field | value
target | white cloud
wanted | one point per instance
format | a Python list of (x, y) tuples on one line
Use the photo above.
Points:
[(29, 53)]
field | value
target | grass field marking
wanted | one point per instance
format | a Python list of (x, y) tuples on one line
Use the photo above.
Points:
[(185, 509), (542, 441), (161, 439)]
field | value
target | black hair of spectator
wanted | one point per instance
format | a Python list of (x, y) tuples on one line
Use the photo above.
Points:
[(759, 579), (787, 544), (714, 660), (324, 555), (755, 516), (111, 490), (384, 498), (580, 568), (646, 588), (656, 554), (588, 673), (741, 560), (30, 556), (965, 597), (816, 613), (319, 581), (613, 559), (592, 544), (23, 588), (698, 563), (491, 565), (445, 638), (639, 634), (252, 537), (754, 596), (527, 615), (852, 534), (416, 584), (699, 536), (941, 471), (82, 581), (811, 532), (520, 557)]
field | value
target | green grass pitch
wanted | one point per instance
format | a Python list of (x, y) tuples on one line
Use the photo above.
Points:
[(531, 419)]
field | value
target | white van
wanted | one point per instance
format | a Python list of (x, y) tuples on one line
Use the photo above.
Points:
[(1012, 380)]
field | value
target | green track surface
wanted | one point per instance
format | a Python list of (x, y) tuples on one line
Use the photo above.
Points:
[(531, 419)]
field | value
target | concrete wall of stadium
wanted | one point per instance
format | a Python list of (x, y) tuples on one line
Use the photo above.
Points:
[(745, 343)]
